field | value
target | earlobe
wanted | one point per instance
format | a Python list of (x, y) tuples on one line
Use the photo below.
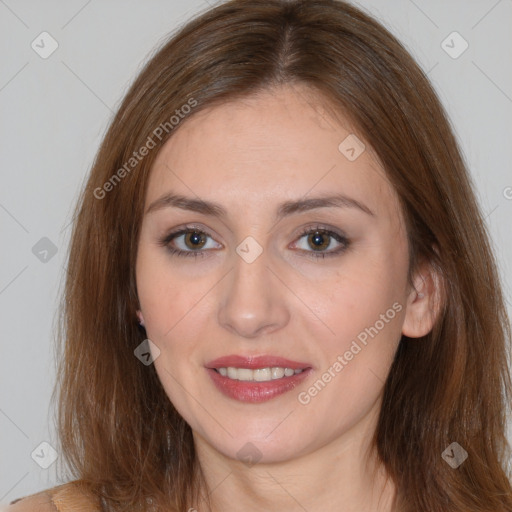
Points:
[(140, 317), (422, 304)]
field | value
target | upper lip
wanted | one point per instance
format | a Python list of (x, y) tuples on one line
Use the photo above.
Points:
[(253, 362)]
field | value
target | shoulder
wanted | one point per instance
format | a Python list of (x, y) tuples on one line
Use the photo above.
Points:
[(68, 497), (39, 502)]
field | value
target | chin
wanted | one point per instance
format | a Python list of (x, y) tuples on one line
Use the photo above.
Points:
[(254, 445)]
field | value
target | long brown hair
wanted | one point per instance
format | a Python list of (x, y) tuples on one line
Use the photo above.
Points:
[(118, 430)]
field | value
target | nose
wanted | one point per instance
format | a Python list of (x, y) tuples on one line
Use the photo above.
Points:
[(253, 300)]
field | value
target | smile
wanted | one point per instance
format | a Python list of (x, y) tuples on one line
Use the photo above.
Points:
[(259, 374), (255, 379)]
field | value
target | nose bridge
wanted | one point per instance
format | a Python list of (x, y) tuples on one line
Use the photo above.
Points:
[(252, 301)]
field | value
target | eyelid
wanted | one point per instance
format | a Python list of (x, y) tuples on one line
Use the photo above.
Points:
[(166, 240), (184, 229), (331, 232)]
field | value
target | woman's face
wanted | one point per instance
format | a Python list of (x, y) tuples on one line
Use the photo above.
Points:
[(257, 291)]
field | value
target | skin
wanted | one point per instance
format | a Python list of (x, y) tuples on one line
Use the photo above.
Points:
[(250, 156)]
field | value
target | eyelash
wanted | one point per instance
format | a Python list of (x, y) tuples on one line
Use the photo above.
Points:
[(166, 240)]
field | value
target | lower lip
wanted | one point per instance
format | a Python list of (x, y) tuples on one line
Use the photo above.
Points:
[(256, 392)]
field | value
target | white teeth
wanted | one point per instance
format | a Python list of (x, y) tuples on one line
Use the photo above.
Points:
[(259, 374), (277, 373), (244, 374)]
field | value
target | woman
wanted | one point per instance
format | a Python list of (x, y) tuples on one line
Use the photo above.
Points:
[(280, 291)]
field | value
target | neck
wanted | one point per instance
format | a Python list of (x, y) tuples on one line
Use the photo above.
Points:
[(343, 475)]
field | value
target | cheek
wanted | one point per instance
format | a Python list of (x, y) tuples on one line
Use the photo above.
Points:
[(167, 295), (365, 313), (359, 295), (364, 310), (356, 307)]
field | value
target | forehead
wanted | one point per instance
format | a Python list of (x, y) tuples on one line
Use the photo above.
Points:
[(279, 143)]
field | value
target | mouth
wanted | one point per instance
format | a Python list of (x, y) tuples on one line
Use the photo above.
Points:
[(258, 378), (257, 375)]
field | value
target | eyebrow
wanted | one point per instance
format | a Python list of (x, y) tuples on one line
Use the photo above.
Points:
[(285, 209)]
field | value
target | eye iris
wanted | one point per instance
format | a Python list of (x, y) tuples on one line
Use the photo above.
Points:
[(317, 238), (196, 238)]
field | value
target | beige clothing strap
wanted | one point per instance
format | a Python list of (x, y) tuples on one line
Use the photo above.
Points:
[(69, 498)]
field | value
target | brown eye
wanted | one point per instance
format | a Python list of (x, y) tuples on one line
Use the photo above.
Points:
[(195, 240), (319, 240), (189, 241)]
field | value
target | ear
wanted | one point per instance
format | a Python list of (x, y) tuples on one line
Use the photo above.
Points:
[(140, 317), (423, 302)]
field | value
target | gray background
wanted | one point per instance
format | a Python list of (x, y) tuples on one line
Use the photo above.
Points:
[(54, 112)]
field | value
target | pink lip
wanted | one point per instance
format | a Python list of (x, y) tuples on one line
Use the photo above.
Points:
[(253, 362), (255, 392)]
